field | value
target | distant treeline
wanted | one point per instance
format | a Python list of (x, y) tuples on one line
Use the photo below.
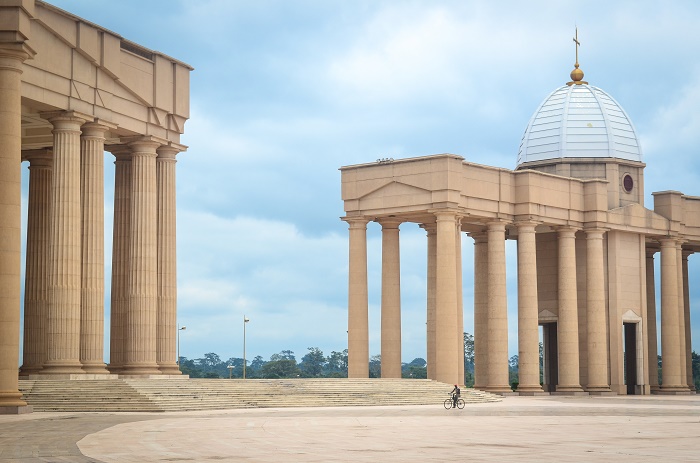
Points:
[(316, 365), (284, 365)]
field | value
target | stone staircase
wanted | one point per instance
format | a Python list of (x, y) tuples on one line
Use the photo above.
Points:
[(159, 395)]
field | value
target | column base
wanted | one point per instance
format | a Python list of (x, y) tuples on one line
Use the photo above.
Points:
[(602, 393), (500, 390), (673, 390), (169, 369), (569, 390), (147, 376), (150, 370), (15, 409), (61, 368), (600, 390), (29, 371), (72, 377), (95, 368), (530, 390)]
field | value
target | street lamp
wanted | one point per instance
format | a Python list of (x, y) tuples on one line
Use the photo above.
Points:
[(230, 369), (179, 328), (245, 320)]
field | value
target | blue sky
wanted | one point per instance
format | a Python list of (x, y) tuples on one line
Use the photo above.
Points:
[(289, 91)]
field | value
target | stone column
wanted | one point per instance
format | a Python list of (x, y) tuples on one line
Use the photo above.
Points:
[(497, 338), (596, 321), (670, 347), (358, 315), (481, 308), (431, 230), (391, 299), (567, 334), (37, 264), (11, 58), (446, 368), (140, 342), (681, 311), (93, 253), (63, 326), (686, 319), (119, 298), (166, 349), (528, 326), (652, 341), (460, 302)]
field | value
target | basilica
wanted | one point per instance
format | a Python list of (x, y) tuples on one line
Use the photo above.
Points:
[(585, 257)]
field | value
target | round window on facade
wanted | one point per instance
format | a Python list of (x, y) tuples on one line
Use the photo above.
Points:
[(627, 183)]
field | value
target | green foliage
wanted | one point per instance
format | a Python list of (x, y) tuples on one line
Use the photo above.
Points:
[(313, 363), (375, 366), (415, 369), (468, 360), (696, 370), (283, 368)]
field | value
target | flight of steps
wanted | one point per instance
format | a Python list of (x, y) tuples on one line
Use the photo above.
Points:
[(150, 395)]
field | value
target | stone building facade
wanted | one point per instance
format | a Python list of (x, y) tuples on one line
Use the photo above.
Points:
[(585, 257), (69, 91)]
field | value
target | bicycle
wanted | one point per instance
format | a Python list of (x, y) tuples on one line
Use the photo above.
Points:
[(448, 403)]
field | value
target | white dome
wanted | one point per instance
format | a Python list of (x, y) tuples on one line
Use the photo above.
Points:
[(579, 121)]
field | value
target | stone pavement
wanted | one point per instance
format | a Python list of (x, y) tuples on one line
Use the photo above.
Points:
[(549, 429)]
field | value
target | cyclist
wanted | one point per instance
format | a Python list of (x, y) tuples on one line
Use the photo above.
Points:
[(455, 396)]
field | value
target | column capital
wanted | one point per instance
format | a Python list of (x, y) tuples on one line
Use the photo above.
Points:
[(668, 241), (13, 55), (144, 144), (389, 222), (122, 153), (526, 224), (566, 231), (356, 222), (429, 227), (169, 151), (442, 215), (687, 253), (96, 128), (66, 120), (595, 233), (41, 157)]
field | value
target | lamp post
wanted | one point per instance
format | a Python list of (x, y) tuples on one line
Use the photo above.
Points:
[(245, 320), (230, 369), (179, 328)]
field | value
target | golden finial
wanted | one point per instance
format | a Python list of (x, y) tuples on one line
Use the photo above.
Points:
[(576, 74)]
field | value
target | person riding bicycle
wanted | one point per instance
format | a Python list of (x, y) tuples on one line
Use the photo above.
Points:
[(455, 396)]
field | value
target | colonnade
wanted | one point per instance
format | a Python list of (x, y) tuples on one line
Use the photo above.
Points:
[(64, 280), (445, 313)]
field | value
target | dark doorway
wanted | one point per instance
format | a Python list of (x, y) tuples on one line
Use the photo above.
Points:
[(630, 334), (550, 355)]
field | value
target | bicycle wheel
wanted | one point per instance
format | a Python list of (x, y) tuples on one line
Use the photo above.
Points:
[(448, 403), (460, 404)]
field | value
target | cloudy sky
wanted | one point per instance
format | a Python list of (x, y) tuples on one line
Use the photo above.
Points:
[(286, 92)]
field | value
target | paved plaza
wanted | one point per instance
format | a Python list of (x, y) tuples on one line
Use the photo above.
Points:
[(601, 429)]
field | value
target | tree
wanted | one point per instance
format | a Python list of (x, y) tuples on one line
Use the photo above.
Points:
[(468, 360), (337, 364), (283, 368), (513, 364), (468, 352), (256, 364), (312, 363), (284, 355), (210, 361), (417, 369), (695, 358), (375, 366)]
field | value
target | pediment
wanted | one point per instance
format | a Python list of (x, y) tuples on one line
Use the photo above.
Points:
[(394, 188), (630, 316), (636, 215), (546, 315)]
